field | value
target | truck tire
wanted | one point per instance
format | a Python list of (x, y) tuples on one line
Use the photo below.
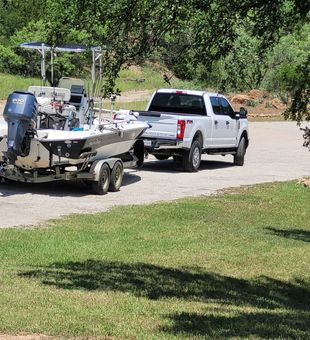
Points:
[(161, 157), (139, 150), (192, 157), (239, 156), (101, 186), (116, 176)]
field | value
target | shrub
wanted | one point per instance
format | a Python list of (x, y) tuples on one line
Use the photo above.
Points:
[(10, 62)]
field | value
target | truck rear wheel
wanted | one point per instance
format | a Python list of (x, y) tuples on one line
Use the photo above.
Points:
[(239, 156), (139, 150), (192, 157), (101, 186), (116, 177)]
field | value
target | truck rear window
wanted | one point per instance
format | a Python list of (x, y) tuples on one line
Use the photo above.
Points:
[(178, 103)]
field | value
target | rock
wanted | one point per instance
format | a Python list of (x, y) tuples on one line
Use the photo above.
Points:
[(278, 104), (255, 94), (240, 99), (305, 181)]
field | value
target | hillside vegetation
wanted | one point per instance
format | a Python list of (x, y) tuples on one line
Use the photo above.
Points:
[(235, 46)]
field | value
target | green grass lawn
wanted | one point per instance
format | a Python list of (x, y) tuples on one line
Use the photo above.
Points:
[(10, 83), (149, 77), (233, 265)]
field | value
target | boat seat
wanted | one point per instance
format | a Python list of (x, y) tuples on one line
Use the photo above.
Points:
[(77, 90)]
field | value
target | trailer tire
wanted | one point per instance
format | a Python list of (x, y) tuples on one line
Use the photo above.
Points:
[(192, 157), (239, 156), (117, 174), (101, 186)]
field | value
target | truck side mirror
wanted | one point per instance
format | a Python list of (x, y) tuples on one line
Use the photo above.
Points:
[(243, 112)]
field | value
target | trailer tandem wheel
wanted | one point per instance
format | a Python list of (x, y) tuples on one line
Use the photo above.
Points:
[(117, 174), (101, 186)]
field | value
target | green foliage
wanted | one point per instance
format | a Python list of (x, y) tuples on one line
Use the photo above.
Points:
[(300, 108), (220, 43), (285, 59), (33, 31), (9, 61), (15, 14), (245, 65)]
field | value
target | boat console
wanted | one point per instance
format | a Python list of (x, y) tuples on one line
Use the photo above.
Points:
[(55, 109)]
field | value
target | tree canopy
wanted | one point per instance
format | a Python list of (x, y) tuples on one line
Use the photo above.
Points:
[(232, 42)]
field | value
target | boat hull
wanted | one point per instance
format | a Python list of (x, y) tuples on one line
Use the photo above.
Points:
[(55, 147)]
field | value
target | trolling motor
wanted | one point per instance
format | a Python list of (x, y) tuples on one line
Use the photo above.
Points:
[(20, 113)]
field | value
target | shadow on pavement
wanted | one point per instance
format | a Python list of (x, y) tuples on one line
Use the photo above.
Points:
[(58, 188), (169, 166)]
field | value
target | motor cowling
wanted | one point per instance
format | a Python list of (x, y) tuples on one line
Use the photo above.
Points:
[(20, 113)]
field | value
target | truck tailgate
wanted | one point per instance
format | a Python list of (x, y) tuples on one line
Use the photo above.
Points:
[(162, 125)]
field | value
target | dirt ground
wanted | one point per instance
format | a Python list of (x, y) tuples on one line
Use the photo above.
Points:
[(25, 337), (2, 104)]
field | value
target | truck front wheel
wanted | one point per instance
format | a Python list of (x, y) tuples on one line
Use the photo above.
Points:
[(239, 156), (192, 157)]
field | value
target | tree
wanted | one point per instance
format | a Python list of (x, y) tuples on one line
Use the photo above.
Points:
[(15, 14), (300, 107)]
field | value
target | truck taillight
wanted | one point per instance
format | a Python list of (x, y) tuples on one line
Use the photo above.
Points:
[(181, 128)]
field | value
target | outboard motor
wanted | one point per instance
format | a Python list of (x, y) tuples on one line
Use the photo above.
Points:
[(20, 113)]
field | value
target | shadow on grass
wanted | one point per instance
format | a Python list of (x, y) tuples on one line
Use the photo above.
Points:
[(295, 234), (155, 282), (288, 325), (285, 305)]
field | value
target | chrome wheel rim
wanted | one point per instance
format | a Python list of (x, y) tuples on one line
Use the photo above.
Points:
[(196, 157), (118, 175)]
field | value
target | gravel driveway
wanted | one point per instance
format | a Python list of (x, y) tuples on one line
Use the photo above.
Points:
[(275, 154)]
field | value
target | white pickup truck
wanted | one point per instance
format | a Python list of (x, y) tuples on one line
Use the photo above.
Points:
[(185, 124)]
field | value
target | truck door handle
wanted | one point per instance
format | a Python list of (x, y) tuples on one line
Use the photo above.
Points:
[(216, 122), (227, 122)]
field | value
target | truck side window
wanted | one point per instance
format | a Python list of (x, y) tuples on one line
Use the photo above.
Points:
[(226, 108), (216, 105)]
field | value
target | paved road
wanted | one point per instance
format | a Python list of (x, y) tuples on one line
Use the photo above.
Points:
[(275, 154)]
